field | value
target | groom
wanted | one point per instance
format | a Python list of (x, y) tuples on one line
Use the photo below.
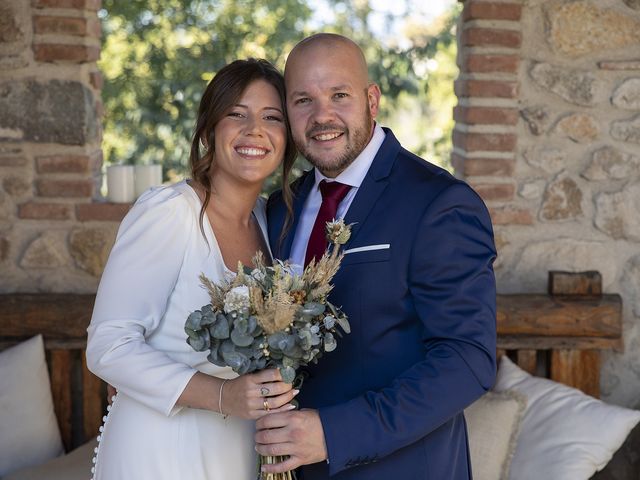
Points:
[(416, 282)]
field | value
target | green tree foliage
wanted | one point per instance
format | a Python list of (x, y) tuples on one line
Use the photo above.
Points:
[(158, 56)]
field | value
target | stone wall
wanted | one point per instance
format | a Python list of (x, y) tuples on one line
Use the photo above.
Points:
[(55, 233), (548, 131)]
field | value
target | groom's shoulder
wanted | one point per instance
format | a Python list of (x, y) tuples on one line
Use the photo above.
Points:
[(415, 172), (424, 182), (408, 168)]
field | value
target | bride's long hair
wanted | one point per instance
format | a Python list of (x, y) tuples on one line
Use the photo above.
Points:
[(222, 93)]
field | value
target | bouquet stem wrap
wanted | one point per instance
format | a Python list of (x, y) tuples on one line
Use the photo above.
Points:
[(269, 460)]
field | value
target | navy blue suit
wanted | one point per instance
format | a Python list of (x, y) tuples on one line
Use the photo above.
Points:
[(422, 314)]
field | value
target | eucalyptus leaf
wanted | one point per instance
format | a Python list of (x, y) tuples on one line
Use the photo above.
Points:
[(236, 360), (208, 316), (249, 352), (305, 338), (289, 362), (274, 340), (191, 333), (257, 341), (227, 346), (258, 363), (288, 374), (294, 351), (329, 322), (194, 320), (198, 344), (244, 368), (220, 329), (252, 325), (312, 309), (329, 342), (214, 349), (344, 324), (216, 359), (207, 309), (241, 324), (333, 309), (276, 355), (287, 343)]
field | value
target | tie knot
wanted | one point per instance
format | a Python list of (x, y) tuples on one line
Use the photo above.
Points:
[(333, 191)]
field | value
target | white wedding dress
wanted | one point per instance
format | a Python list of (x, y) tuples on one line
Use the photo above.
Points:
[(137, 343)]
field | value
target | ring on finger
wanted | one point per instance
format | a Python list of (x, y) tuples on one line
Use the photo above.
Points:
[(265, 404), (264, 391)]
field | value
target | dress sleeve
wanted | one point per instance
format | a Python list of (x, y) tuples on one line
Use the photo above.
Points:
[(138, 280)]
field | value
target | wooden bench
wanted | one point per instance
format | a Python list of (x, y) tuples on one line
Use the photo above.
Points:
[(558, 335), (561, 335)]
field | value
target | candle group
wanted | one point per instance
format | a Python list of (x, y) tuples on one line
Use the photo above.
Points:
[(125, 183)]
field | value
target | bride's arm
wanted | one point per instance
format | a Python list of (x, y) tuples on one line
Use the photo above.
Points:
[(138, 279), (200, 393)]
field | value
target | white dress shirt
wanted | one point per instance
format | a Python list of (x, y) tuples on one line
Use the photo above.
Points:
[(353, 175)]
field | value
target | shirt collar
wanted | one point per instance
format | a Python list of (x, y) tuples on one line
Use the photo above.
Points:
[(354, 174)]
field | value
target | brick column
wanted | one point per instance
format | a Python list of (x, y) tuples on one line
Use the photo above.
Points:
[(55, 229), (485, 135), (66, 39)]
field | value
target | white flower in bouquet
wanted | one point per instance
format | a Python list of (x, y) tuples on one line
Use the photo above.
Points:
[(237, 299)]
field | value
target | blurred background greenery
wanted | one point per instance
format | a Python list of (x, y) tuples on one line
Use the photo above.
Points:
[(158, 55)]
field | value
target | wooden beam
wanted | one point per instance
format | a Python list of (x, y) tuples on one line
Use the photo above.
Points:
[(527, 360), (518, 342), (92, 401), (531, 321), (56, 316), (575, 283), (577, 368), (65, 317), (559, 316), (60, 370)]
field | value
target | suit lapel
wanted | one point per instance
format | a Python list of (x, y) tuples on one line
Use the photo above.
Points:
[(373, 185)]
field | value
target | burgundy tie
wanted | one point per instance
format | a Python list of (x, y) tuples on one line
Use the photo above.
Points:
[(332, 195)]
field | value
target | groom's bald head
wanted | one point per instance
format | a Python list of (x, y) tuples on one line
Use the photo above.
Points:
[(331, 45)]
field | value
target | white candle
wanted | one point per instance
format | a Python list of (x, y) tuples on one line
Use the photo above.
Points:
[(120, 183), (147, 176)]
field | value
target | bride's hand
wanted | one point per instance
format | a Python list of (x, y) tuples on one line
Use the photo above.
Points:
[(254, 395)]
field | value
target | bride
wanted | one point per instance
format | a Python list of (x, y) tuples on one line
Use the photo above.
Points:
[(175, 414)]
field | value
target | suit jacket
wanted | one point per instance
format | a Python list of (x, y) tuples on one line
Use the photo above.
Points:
[(421, 302)]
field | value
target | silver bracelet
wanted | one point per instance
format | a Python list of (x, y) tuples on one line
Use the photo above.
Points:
[(220, 398)]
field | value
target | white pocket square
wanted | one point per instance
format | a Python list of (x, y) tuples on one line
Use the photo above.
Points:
[(367, 248)]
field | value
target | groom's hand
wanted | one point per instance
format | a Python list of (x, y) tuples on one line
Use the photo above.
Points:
[(298, 434)]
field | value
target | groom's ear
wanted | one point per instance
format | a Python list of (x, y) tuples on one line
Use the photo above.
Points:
[(373, 96)]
